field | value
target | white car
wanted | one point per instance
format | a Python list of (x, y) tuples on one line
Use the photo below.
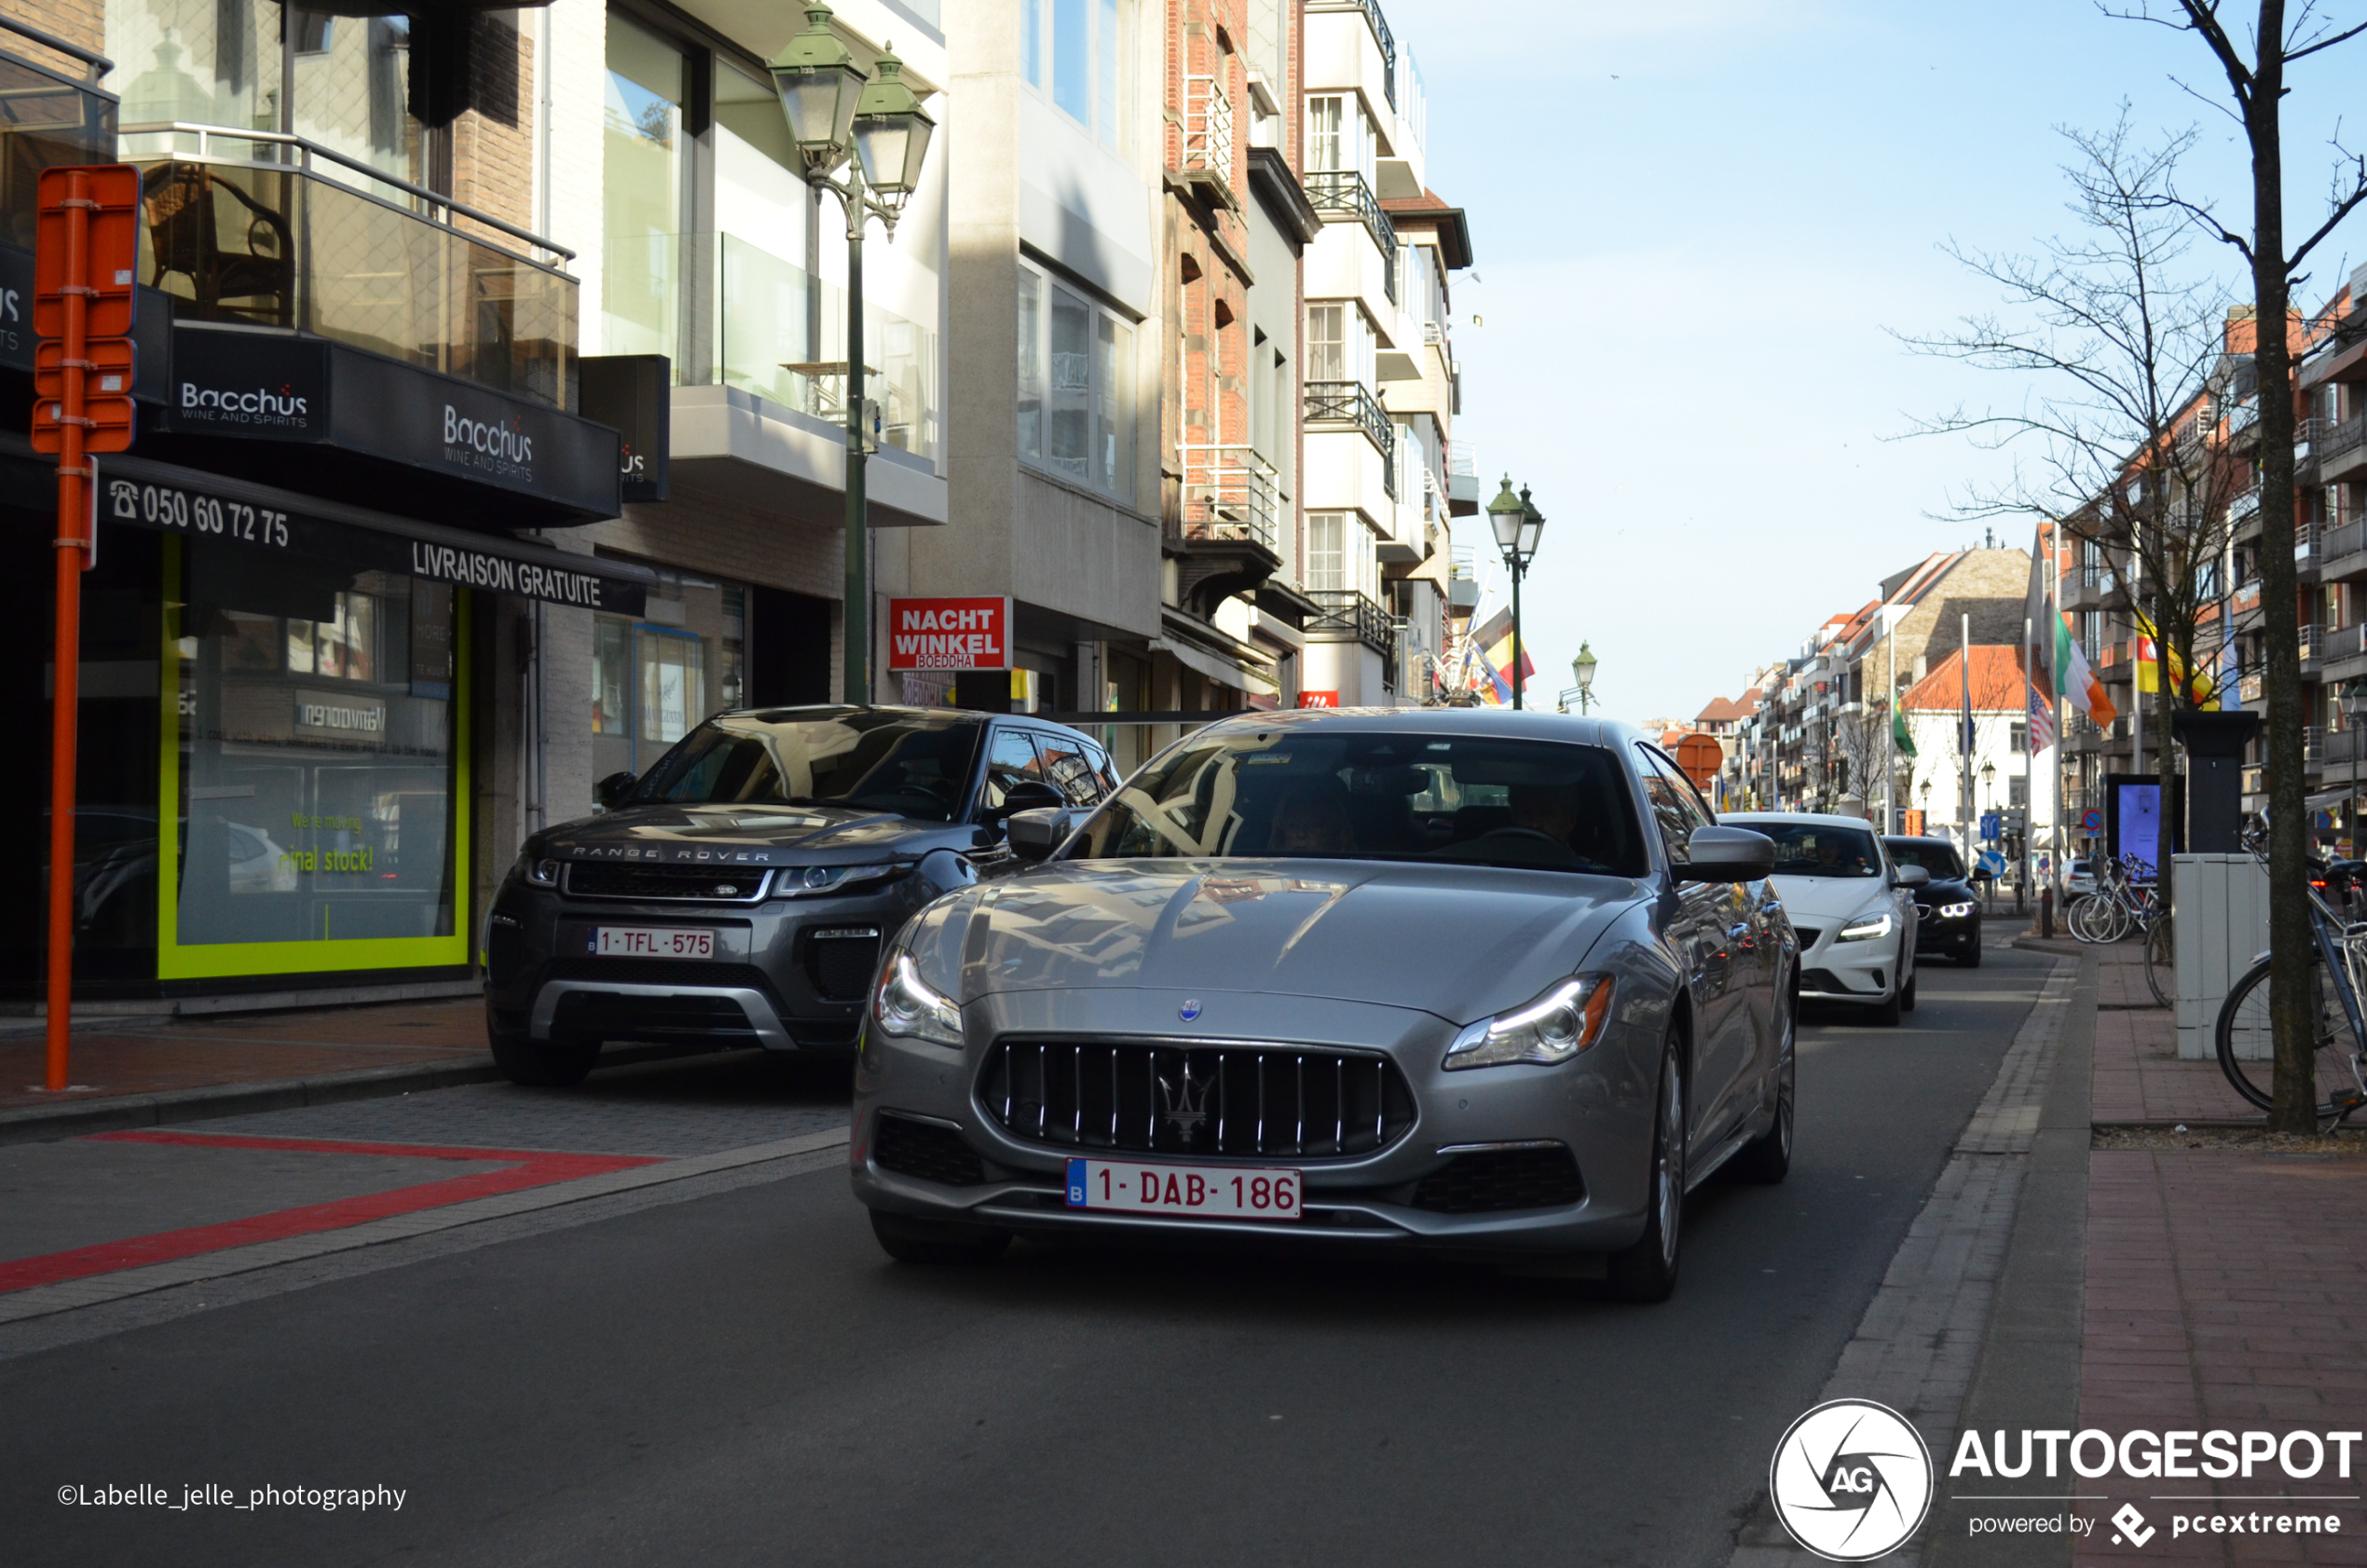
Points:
[(1852, 907)]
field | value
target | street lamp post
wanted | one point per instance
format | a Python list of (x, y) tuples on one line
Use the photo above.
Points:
[(1583, 668), (2354, 701), (1517, 525), (876, 129)]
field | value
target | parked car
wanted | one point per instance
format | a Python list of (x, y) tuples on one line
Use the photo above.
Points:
[(1440, 979), (1854, 909), (1946, 914), (741, 888), (2079, 879)]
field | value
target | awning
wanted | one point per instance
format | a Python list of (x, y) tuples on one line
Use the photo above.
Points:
[(142, 493), (1222, 671), (2327, 799)]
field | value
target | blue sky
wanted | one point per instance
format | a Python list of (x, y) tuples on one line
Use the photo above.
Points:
[(1694, 221)]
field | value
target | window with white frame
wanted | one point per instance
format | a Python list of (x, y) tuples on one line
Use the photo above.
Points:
[(1328, 348), (1075, 393), (1338, 137), (1072, 49), (1327, 546)]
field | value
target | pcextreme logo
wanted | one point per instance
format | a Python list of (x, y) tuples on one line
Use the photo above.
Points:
[(1851, 1481)]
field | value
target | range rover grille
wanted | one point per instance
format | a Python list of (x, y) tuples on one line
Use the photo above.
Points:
[(1243, 1101), (708, 884)]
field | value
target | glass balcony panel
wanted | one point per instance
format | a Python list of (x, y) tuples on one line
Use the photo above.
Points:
[(250, 232), (777, 331), (45, 120)]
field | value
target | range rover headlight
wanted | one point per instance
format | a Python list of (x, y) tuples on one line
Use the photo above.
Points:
[(909, 1007), (540, 870), (807, 881), (1865, 928), (1554, 1028)]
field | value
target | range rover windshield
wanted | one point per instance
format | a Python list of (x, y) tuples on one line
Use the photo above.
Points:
[(916, 765), (1294, 792)]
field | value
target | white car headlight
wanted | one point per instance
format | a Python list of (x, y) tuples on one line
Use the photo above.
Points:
[(794, 882), (908, 1006), (1954, 911), (1554, 1028), (542, 871), (1864, 928)]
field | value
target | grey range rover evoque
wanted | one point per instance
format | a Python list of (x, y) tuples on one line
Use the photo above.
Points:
[(740, 890)]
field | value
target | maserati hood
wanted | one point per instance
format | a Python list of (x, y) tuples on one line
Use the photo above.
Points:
[(747, 834), (1456, 941)]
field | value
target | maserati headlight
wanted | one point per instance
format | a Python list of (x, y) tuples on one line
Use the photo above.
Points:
[(909, 1007), (1864, 928), (1554, 1028), (1954, 911)]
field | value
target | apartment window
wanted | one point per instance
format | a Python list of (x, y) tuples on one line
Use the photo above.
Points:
[(1085, 39), (1327, 344), (1076, 394), (642, 179), (1327, 147), (1327, 550)]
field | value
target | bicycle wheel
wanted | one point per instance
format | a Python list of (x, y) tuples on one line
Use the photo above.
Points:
[(2243, 1038), (2160, 959), (2080, 918)]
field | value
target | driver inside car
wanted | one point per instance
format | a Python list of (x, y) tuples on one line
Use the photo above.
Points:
[(1548, 809), (1313, 820)]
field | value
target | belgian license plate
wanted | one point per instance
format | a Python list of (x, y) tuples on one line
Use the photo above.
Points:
[(1205, 1191), (642, 941)]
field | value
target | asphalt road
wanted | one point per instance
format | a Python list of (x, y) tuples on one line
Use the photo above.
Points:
[(744, 1378)]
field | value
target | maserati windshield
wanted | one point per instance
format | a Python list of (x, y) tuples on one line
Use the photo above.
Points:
[(1297, 793), (912, 764)]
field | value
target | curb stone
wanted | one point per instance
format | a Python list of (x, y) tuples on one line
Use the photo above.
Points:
[(1924, 1346), (35, 1124)]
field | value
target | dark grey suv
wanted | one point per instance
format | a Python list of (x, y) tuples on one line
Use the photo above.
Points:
[(740, 891)]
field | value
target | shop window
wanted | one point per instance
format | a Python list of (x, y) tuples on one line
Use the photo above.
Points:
[(655, 679), (317, 781)]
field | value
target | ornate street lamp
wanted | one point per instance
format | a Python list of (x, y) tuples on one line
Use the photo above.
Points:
[(877, 130), (1516, 524), (1583, 668)]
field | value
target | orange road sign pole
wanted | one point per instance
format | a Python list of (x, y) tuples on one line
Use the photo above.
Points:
[(72, 509)]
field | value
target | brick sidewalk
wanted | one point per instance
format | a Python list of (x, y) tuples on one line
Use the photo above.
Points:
[(2223, 1289), (151, 1058)]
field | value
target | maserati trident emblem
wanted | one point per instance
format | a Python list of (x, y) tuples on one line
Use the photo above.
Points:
[(1185, 1110), (1190, 1009)]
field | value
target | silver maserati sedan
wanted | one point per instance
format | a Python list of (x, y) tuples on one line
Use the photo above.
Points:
[(1488, 981)]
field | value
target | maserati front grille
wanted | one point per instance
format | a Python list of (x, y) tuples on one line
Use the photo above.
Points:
[(1240, 1101)]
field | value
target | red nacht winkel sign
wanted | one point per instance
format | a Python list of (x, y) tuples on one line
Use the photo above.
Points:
[(949, 633)]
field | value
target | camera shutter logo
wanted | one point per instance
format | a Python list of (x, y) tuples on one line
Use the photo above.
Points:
[(1851, 1481)]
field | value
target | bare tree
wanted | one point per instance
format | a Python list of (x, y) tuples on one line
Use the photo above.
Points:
[(2132, 427), (2281, 37)]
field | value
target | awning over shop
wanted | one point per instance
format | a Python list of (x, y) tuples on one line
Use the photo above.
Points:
[(2327, 799), (141, 493)]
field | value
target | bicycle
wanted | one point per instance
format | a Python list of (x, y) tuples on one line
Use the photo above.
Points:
[(2122, 902), (2244, 1036)]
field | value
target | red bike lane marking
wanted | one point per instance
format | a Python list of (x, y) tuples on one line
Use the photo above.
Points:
[(526, 1169)]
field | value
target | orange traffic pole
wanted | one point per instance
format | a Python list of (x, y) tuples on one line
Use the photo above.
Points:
[(73, 473)]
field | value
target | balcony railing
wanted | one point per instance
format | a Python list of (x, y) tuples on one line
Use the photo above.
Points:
[(259, 229), (2348, 539), (1352, 402), (2248, 597), (2243, 506), (1229, 494), (726, 312), (1208, 126), (2313, 641), (2344, 642), (2248, 688), (1343, 612), (1342, 195), (1388, 42)]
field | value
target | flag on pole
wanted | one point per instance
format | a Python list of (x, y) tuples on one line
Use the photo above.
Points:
[(2042, 721), (2149, 666), (1494, 642), (2075, 680), (1899, 738)]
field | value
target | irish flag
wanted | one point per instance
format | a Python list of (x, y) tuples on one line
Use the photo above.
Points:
[(2075, 680)]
